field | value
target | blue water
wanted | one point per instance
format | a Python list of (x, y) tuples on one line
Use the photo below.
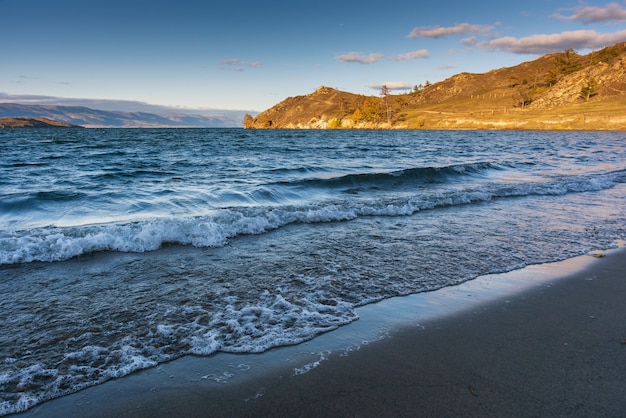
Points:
[(121, 249)]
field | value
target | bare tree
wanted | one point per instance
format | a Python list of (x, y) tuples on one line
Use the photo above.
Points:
[(384, 92), (589, 89)]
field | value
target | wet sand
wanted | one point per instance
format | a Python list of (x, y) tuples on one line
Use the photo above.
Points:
[(556, 350)]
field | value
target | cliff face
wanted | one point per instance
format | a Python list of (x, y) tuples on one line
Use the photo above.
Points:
[(557, 91)]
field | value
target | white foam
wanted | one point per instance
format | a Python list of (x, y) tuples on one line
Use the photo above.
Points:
[(215, 230), (323, 356), (237, 328)]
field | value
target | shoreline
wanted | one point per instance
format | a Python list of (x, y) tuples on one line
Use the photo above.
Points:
[(547, 340)]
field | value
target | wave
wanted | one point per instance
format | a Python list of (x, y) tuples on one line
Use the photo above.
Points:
[(399, 177), (19, 202), (216, 229)]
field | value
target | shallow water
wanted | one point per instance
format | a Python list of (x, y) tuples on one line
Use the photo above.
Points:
[(123, 249)]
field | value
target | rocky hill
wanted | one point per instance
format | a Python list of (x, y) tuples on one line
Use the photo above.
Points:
[(33, 123), (556, 91), (87, 117)]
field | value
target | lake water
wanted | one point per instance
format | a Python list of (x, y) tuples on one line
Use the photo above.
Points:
[(121, 249)]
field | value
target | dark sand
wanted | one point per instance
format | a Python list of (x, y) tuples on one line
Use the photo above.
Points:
[(556, 350)]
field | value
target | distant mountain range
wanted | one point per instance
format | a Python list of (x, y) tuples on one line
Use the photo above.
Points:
[(33, 123), (89, 118), (556, 91)]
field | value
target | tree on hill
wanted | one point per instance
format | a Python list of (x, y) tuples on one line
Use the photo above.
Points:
[(589, 89), (607, 55), (370, 109), (384, 93), (564, 63)]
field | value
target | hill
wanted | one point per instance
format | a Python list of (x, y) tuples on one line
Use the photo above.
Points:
[(87, 117), (33, 123), (556, 91)]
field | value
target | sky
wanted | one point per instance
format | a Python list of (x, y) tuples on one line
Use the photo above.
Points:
[(250, 55)]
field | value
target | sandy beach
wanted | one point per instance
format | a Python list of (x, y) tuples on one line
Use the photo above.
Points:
[(557, 349)]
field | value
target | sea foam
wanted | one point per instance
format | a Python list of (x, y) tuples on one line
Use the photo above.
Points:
[(215, 230)]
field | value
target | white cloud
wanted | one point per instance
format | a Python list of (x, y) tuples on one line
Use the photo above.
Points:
[(471, 41), (594, 14), (359, 57), (460, 29), (542, 44), (235, 64), (422, 53), (393, 85)]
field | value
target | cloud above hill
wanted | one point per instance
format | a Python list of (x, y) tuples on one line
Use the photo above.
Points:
[(235, 64), (484, 36), (435, 32), (540, 44), (359, 57), (422, 53), (594, 14), (393, 85)]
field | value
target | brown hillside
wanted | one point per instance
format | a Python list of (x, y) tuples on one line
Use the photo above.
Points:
[(324, 104), (556, 91)]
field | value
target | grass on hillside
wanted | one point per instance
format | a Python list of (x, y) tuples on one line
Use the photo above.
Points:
[(593, 115)]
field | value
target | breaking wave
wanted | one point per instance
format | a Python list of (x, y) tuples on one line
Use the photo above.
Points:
[(216, 229)]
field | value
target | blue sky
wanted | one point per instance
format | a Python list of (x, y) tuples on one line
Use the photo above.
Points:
[(249, 55)]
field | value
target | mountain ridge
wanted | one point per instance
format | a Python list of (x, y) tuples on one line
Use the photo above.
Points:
[(562, 90), (95, 118), (33, 123)]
